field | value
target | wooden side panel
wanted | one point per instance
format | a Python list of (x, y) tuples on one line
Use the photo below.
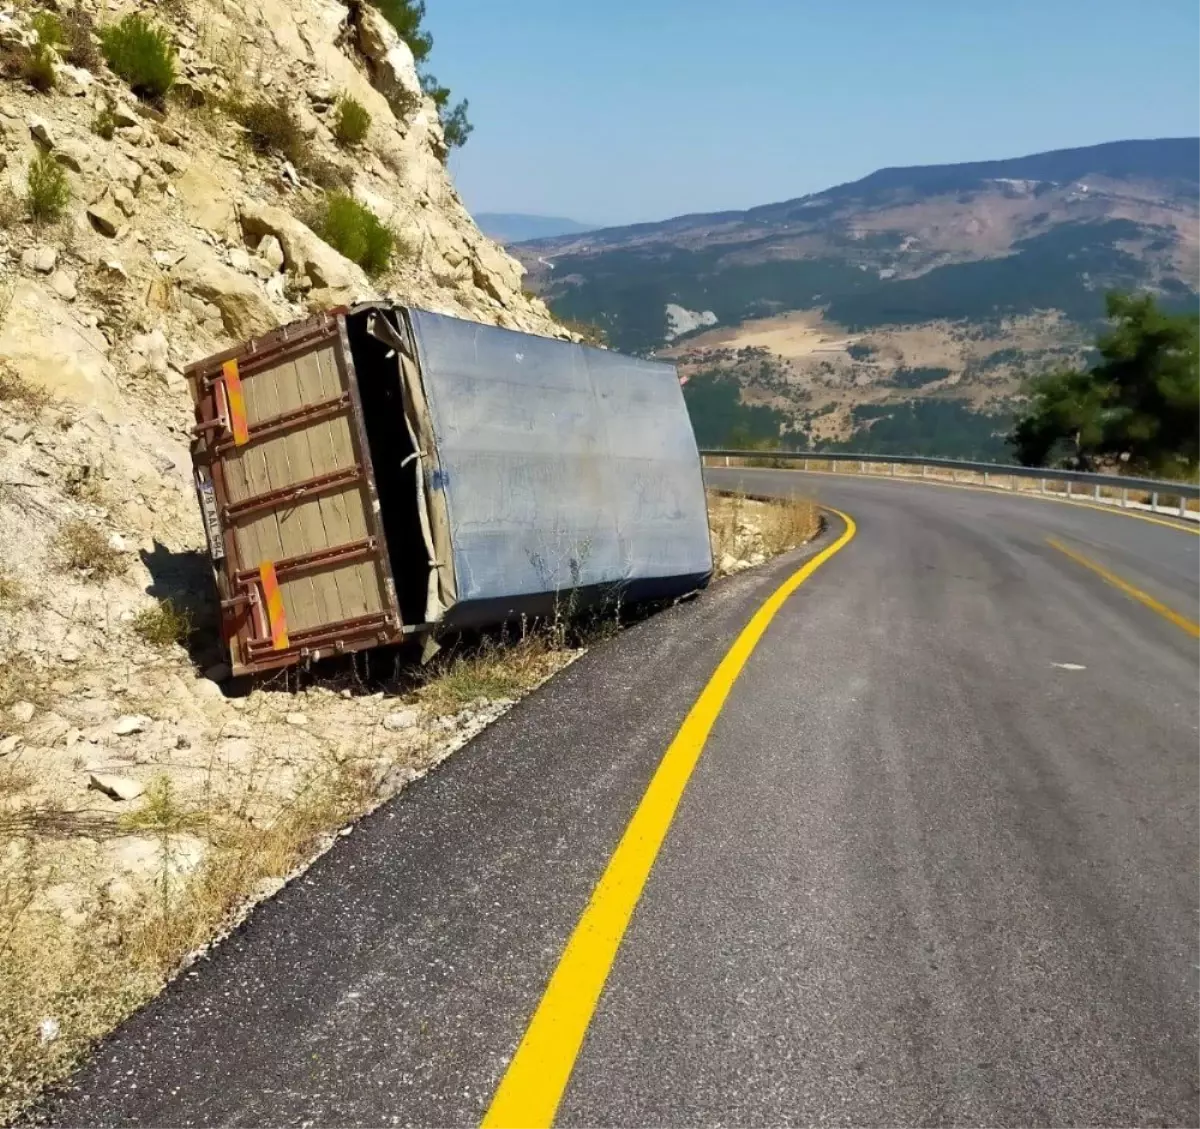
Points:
[(329, 519)]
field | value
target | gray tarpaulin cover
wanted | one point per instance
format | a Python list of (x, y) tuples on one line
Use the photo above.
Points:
[(562, 466)]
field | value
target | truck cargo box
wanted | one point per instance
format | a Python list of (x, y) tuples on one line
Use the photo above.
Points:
[(382, 472)]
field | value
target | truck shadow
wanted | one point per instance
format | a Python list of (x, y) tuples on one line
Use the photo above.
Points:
[(185, 578)]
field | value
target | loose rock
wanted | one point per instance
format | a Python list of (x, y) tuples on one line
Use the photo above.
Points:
[(402, 719), (40, 259), (22, 711), (116, 787), (130, 724)]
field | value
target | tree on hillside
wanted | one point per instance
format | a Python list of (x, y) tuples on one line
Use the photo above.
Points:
[(1139, 405), (406, 17)]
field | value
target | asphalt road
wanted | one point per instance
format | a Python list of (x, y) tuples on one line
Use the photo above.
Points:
[(937, 865)]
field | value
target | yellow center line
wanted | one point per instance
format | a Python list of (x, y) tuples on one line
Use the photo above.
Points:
[(1180, 621), (537, 1076)]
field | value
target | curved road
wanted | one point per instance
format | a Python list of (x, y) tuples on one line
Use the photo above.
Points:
[(936, 865)]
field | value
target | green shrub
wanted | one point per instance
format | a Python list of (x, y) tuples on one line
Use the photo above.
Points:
[(355, 231), (104, 124), (141, 53), (351, 122), (49, 192), (37, 68), (49, 29)]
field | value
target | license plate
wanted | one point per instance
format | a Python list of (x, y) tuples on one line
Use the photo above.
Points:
[(212, 523)]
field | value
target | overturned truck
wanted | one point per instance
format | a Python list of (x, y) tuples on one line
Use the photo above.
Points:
[(379, 473)]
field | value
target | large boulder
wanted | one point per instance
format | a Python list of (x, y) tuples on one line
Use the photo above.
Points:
[(245, 310), (304, 253)]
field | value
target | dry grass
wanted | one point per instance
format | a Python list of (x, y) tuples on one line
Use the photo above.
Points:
[(163, 625), (490, 670), (16, 390), (76, 984), (747, 531), (12, 591), (64, 984), (81, 547), (789, 523)]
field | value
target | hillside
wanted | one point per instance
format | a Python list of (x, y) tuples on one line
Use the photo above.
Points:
[(943, 282), (138, 235)]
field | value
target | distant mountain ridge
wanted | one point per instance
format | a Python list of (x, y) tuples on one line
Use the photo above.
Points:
[(928, 291), (515, 227), (1173, 160)]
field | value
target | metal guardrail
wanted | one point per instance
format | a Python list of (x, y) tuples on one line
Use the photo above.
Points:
[(1093, 483)]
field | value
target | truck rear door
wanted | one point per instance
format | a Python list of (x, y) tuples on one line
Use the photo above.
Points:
[(286, 488)]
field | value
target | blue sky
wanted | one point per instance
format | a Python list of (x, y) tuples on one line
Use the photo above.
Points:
[(614, 111)]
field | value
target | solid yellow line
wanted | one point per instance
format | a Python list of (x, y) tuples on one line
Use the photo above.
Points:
[(1180, 621), (533, 1084), (1179, 524)]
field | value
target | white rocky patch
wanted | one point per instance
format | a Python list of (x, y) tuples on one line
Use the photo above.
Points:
[(681, 320)]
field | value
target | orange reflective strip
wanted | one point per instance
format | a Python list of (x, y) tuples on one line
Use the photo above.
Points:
[(273, 599), (237, 403)]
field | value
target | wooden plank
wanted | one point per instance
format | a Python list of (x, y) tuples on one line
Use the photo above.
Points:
[(298, 592), (267, 469), (333, 448), (307, 520)]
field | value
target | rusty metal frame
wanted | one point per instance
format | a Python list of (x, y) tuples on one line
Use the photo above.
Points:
[(252, 649), (294, 494), (276, 425), (340, 554)]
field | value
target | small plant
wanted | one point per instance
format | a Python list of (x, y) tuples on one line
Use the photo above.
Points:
[(141, 53), (48, 192), (12, 592), (163, 625), (270, 127), (37, 67), (81, 547), (489, 669), (351, 122), (79, 39), (104, 124), (355, 231), (49, 28), (15, 389), (161, 811)]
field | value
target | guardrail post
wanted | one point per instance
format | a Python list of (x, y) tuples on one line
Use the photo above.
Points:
[(1154, 501), (806, 464), (1042, 484), (1068, 487), (1124, 498), (893, 470), (1096, 491), (726, 460), (987, 478), (924, 471), (1182, 506), (862, 468)]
